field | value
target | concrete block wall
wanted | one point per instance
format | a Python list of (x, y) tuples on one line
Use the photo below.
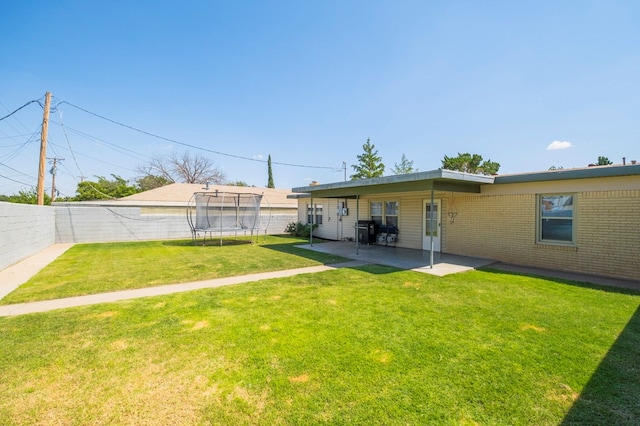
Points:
[(279, 221), (28, 229), (88, 224), (24, 231), (85, 224)]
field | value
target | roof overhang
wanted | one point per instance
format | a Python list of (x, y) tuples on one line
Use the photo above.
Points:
[(437, 180), (566, 174)]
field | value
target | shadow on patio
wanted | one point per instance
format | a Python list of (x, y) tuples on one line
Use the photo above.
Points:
[(402, 258)]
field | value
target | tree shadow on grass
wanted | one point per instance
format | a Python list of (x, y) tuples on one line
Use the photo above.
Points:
[(612, 395)]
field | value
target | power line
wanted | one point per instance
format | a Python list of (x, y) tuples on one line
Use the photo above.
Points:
[(99, 160), (28, 103), (16, 181), (10, 156), (116, 147), (75, 160), (16, 170), (14, 136), (189, 145), (15, 118)]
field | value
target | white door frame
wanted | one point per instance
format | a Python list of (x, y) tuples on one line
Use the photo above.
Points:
[(437, 237)]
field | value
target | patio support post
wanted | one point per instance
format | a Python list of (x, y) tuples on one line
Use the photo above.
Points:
[(221, 217), (431, 230), (357, 218), (237, 202), (311, 226)]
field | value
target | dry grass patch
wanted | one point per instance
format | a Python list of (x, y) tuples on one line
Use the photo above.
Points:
[(303, 378), (532, 327)]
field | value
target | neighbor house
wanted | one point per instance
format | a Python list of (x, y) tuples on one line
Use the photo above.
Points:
[(583, 220)]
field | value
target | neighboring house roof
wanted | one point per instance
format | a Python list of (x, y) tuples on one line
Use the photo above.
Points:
[(448, 180), (179, 194)]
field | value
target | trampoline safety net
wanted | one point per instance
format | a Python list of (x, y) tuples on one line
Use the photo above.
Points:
[(224, 213)]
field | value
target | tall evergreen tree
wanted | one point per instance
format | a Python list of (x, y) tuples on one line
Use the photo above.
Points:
[(405, 166), (369, 164), (270, 181)]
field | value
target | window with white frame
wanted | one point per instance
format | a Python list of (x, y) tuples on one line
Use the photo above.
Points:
[(384, 213), (376, 212), (556, 219), (391, 213), (317, 220)]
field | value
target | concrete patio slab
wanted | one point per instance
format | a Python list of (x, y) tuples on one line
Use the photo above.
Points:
[(402, 258)]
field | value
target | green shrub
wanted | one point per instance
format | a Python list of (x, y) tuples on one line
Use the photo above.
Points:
[(299, 229)]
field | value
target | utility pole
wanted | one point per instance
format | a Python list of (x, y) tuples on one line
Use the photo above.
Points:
[(43, 148), (54, 170)]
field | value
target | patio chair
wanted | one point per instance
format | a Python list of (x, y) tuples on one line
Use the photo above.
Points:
[(392, 235), (381, 238)]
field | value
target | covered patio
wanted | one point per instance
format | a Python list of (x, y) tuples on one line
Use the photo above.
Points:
[(409, 257), (402, 258)]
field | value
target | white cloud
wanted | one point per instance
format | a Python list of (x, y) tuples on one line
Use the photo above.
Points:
[(257, 157), (559, 145)]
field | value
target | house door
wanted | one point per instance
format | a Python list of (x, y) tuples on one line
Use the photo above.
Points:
[(427, 230)]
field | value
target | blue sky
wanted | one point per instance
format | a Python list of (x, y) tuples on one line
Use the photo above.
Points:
[(308, 82)]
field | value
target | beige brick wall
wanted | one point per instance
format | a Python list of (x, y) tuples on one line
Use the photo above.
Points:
[(503, 227), (500, 224), (609, 233)]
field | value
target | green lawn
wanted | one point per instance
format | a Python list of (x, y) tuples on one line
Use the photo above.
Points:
[(370, 345), (99, 268)]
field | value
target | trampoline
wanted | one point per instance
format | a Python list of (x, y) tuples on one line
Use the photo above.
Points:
[(227, 214)]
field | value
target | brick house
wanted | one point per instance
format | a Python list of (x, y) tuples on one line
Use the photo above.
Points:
[(583, 220)]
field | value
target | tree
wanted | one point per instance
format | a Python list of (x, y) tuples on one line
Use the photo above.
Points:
[(185, 168), (104, 189), (145, 183), (237, 183), (470, 164), (270, 172), (404, 167), (604, 161), (26, 197), (369, 164)]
